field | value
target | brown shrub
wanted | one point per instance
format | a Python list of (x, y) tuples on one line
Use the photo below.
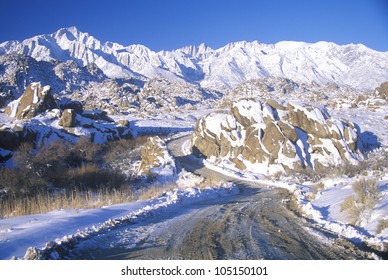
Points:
[(365, 199), (315, 189), (23, 155), (17, 181), (71, 168), (382, 225), (90, 176)]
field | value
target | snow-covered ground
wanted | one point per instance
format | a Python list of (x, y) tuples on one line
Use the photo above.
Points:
[(164, 124), (19, 233), (370, 120), (61, 227), (324, 209)]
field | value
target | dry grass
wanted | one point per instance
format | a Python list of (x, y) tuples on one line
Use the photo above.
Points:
[(42, 202), (154, 192), (350, 206), (365, 199)]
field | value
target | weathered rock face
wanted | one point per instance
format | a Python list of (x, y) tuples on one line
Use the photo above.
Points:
[(68, 118), (276, 136), (155, 158), (35, 100)]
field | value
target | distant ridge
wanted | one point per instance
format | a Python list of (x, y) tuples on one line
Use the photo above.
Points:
[(352, 65)]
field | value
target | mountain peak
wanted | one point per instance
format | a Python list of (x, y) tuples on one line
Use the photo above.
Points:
[(73, 30), (228, 66), (196, 51)]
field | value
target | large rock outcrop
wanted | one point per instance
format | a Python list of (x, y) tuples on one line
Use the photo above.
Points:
[(35, 100), (276, 136)]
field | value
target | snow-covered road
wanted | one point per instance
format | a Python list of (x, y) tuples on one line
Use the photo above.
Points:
[(255, 224)]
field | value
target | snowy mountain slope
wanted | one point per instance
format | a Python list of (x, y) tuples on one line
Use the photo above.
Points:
[(323, 62), (17, 71)]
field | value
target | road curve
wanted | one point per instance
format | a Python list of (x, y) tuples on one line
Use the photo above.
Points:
[(258, 223)]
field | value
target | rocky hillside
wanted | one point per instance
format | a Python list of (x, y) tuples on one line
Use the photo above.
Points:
[(88, 85), (161, 95), (18, 70), (36, 117), (272, 136), (330, 95)]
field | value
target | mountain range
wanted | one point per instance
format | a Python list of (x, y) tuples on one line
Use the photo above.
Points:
[(352, 65)]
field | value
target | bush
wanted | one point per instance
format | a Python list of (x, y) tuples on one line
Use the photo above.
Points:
[(18, 181), (365, 199), (61, 169), (315, 189), (367, 192), (119, 151), (304, 174), (382, 225), (23, 156), (90, 176), (85, 151)]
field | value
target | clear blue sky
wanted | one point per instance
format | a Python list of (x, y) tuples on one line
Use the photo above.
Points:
[(170, 24)]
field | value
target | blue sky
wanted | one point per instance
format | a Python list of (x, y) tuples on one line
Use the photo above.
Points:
[(170, 24)]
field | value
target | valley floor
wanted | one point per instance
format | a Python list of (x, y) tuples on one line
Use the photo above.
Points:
[(92, 225)]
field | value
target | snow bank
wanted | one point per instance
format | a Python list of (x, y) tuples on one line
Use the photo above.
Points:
[(36, 231), (324, 210)]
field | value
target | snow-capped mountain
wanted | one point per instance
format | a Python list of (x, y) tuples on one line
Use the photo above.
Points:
[(348, 65)]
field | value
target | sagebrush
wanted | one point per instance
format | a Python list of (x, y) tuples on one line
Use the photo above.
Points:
[(359, 206)]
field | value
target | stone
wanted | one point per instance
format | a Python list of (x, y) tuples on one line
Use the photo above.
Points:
[(34, 100), (300, 119), (98, 115), (272, 138), (288, 130), (275, 104), (124, 123), (247, 106), (68, 118)]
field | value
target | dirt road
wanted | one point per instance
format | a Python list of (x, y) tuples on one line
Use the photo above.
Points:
[(255, 224)]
